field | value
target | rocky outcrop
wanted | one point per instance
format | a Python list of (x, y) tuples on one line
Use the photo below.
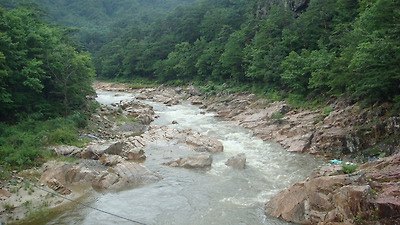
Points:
[(339, 129), (198, 160), (138, 110), (111, 174), (125, 175), (192, 140), (238, 161), (369, 195)]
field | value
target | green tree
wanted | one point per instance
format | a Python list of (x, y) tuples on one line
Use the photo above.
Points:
[(71, 75), (28, 49), (296, 72), (232, 60)]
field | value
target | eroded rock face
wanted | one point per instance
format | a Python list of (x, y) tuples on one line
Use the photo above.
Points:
[(327, 196), (339, 129), (198, 160)]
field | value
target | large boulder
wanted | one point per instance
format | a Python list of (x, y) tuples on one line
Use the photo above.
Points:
[(125, 175), (328, 196), (321, 199), (210, 144), (198, 160), (238, 161), (111, 172)]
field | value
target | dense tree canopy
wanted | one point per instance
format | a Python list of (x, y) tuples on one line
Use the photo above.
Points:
[(41, 71), (318, 47)]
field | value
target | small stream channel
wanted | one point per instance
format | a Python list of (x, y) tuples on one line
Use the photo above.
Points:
[(221, 195)]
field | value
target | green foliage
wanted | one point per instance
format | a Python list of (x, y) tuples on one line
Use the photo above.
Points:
[(41, 70), (347, 169), (22, 145), (296, 73), (329, 47)]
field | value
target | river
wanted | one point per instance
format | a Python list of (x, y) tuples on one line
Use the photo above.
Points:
[(221, 195)]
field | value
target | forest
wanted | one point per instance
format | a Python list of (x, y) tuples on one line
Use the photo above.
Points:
[(280, 49), (277, 48)]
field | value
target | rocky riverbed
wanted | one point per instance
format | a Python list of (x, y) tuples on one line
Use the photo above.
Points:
[(121, 131), (341, 130)]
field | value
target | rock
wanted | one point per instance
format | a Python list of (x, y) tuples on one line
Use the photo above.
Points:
[(58, 187), (68, 174), (211, 144), (136, 154), (66, 150), (110, 160), (96, 150), (174, 122), (329, 196), (321, 199), (91, 137), (178, 90), (198, 160), (171, 101), (193, 91), (196, 101), (140, 111), (118, 174), (145, 119), (133, 174), (131, 127), (5, 193), (105, 181), (238, 161)]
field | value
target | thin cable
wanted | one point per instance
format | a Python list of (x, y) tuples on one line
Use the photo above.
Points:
[(82, 204)]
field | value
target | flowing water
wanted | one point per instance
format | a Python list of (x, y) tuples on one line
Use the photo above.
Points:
[(221, 195)]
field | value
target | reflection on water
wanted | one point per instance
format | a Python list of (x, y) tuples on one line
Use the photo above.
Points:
[(221, 195)]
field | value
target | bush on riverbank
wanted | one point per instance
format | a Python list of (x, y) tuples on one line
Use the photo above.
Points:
[(24, 145)]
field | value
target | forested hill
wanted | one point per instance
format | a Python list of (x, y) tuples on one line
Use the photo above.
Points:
[(281, 48), (96, 19)]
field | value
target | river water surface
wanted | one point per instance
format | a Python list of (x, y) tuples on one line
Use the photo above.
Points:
[(221, 195)]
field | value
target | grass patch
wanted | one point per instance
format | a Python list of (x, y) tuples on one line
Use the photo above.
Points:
[(8, 206), (120, 119)]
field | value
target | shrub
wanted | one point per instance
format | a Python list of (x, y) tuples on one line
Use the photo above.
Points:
[(21, 145), (347, 169)]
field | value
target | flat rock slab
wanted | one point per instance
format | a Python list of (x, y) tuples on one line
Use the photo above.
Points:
[(198, 160)]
